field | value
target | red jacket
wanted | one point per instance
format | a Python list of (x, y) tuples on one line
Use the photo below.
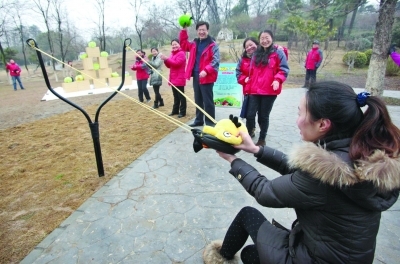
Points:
[(177, 64), (242, 72), (261, 77), (142, 70), (314, 59), (209, 61), (14, 69)]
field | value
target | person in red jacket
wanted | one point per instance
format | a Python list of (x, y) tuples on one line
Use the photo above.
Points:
[(313, 61), (203, 66), (142, 75), (268, 70), (177, 64), (15, 71), (243, 71)]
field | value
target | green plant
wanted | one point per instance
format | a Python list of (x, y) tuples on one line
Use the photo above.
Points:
[(59, 176), (392, 69), (355, 58), (368, 53)]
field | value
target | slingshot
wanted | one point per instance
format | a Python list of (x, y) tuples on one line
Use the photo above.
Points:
[(94, 126)]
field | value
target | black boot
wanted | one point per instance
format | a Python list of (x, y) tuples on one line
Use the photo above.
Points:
[(155, 105), (161, 102)]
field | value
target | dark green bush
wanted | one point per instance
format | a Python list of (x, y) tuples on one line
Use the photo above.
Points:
[(360, 59), (392, 69), (368, 53)]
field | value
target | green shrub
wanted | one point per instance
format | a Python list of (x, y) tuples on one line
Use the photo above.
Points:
[(150, 56), (368, 53), (360, 59), (392, 69)]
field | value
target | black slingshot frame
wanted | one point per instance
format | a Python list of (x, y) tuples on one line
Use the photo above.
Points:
[(94, 126)]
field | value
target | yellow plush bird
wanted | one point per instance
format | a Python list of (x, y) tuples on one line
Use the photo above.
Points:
[(227, 130), (221, 137)]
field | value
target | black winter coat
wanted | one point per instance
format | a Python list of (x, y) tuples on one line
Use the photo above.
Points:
[(338, 204)]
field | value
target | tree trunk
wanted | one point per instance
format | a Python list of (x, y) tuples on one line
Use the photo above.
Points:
[(3, 59), (353, 17), (23, 49), (382, 39), (330, 30), (341, 29), (3, 56)]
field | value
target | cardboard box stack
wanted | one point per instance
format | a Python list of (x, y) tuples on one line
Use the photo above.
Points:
[(96, 72)]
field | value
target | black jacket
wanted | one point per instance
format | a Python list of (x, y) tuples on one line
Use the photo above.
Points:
[(338, 204)]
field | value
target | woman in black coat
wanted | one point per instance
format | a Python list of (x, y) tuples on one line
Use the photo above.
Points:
[(339, 181)]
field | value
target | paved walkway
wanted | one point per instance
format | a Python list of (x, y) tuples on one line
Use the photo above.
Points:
[(169, 203)]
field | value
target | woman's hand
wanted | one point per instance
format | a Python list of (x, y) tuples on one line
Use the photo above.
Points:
[(163, 57), (227, 157), (247, 143), (203, 74), (275, 85)]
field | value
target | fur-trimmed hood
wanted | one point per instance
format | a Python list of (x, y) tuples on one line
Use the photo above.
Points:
[(333, 166)]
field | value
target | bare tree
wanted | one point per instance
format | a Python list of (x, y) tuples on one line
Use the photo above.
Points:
[(3, 19), (260, 7), (63, 39), (139, 23), (169, 22), (100, 5), (214, 12), (20, 29), (196, 8), (382, 39), (226, 10), (3, 15), (43, 8)]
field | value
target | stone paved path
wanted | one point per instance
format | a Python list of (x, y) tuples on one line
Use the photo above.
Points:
[(168, 204)]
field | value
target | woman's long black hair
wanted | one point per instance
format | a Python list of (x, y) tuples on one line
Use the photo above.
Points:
[(261, 54)]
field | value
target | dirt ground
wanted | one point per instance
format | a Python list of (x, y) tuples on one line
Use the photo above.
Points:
[(47, 164)]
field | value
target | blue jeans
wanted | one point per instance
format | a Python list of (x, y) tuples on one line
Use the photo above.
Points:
[(142, 89), (261, 104), (203, 97), (16, 79)]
